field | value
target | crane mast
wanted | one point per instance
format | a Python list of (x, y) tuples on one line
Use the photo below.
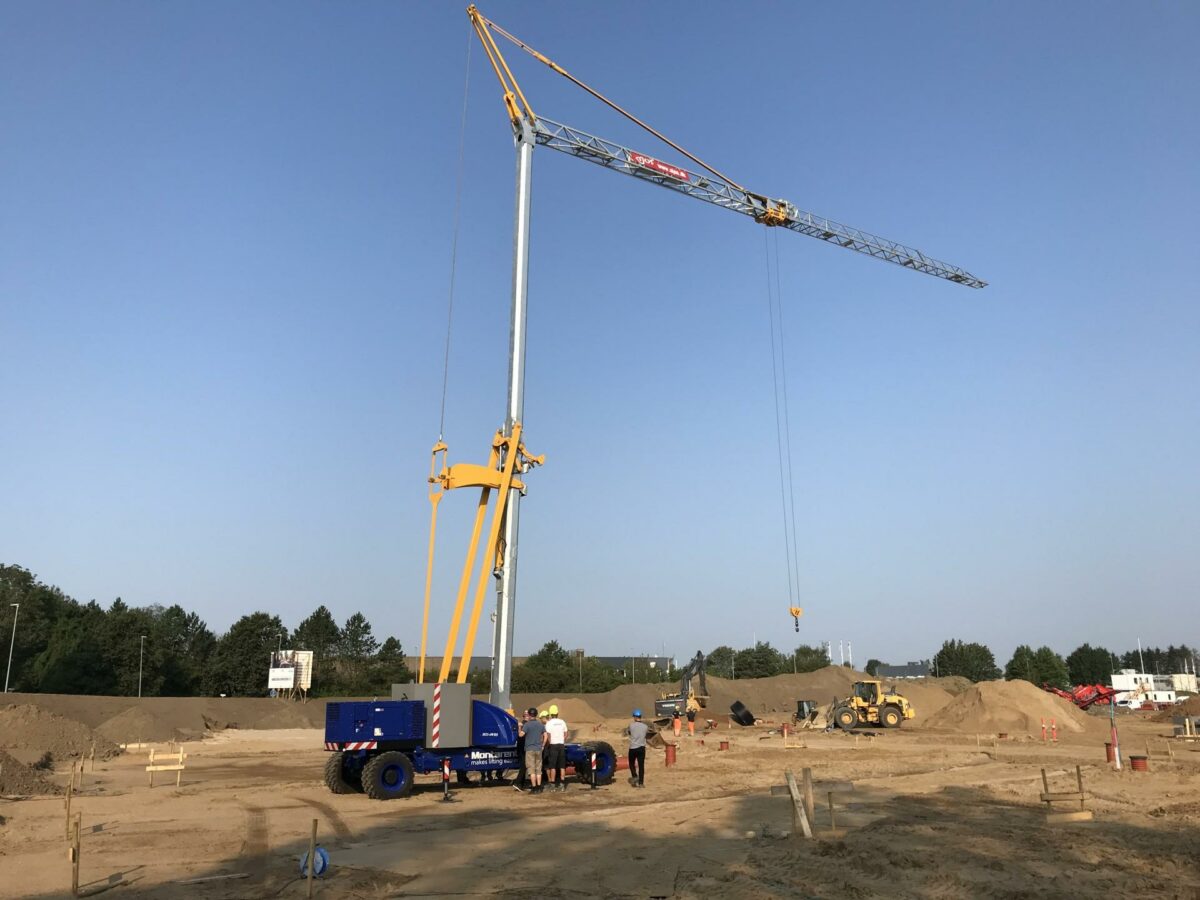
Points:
[(508, 458)]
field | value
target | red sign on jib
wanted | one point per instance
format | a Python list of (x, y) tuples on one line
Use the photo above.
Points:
[(657, 165)]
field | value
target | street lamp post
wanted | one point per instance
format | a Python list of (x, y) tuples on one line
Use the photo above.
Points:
[(141, 656), (12, 643)]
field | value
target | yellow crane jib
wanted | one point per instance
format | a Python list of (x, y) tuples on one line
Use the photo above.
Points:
[(507, 459)]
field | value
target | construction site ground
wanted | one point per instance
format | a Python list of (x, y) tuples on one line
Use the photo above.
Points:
[(930, 814)]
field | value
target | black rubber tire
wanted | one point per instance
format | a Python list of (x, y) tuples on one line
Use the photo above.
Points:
[(740, 714), (891, 717), (388, 776), (601, 748), (845, 718), (336, 778)]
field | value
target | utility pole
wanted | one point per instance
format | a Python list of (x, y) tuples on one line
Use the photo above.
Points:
[(12, 643), (141, 655), (849, 655), (1141, 661)]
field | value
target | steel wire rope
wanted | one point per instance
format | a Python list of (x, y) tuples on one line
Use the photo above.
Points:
[(787, 545), (462, 142), (787, 419)]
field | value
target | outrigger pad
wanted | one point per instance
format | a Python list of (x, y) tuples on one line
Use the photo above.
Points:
[(739, 713)]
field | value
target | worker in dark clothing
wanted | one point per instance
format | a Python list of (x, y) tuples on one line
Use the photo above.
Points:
[(519, 781), (637, 750), (691, 717)]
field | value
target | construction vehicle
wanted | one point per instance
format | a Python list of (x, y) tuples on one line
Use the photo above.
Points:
[(870, 704), (1085, 696), (685, 698), (379, 747)]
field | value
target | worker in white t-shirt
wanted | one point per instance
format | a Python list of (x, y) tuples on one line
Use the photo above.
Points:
[(556, 750)]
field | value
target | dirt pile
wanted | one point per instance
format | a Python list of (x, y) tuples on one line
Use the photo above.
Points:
[(18, 779), (1016, 707), (1190, 707), (136, 726), (29, 732)]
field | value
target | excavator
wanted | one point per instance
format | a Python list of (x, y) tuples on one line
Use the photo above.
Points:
[(686, 697)]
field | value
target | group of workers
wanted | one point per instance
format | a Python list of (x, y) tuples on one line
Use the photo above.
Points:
[(542, 746)]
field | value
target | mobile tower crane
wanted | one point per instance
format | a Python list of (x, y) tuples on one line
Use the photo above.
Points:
[(508, 457)]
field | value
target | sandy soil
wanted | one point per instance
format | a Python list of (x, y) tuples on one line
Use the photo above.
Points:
[(930, 814)]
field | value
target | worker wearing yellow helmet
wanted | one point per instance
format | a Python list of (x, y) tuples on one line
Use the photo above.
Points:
[(556, 749)]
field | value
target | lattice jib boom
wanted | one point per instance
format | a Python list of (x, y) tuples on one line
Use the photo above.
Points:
[(715, 190)]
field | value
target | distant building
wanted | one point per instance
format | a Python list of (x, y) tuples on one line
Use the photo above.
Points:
[(911, 670), (1136, 687)]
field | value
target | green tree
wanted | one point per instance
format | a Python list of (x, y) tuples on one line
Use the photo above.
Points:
[(1090, 665), (873, 666), (720, 662), (390, 666), (320, 634), (240, 660), (760, 661), (970, 660), (807, 659), (1051, 669), (1021, 664)]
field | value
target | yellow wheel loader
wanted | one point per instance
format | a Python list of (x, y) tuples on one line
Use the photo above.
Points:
[(871, 705)]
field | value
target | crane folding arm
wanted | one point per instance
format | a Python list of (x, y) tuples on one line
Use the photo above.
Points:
[(712, 186)]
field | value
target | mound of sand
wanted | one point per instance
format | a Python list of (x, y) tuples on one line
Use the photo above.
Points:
[(135, 726), (16, 778), (1016, 707), (573, 709), (1189, 707), (286, 715), (29, 732)]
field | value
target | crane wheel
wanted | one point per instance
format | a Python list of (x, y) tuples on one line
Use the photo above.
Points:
[(338, 776), (845, 718), (606, 762), (891, 717), (388, 776)]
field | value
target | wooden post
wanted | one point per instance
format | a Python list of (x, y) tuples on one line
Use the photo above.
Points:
[(179, 774), (70, 790), (810, 803), (1079, 782), (75, 857), (151, 764), (832, 821), (312, 856), (800, 823), (1170, 751), (93, 757), (976, 741), (1147, 748), (1045, 782)]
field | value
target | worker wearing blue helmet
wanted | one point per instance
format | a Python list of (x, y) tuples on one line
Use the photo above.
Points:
[(638, 730)]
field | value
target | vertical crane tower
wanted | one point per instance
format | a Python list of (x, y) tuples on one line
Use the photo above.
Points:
[(509, 459)]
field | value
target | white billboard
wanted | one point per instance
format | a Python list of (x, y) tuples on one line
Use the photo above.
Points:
[(290, 669)]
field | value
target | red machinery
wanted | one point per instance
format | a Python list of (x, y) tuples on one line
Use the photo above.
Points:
[(1085, 695)]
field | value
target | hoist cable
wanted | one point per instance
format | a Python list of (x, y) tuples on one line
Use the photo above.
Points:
[(462, 142), (787, 419), (787, 544)]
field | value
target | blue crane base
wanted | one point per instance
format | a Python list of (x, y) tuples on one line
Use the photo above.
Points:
[(378, 748)]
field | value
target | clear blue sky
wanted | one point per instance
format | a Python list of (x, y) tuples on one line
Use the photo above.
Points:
[(225, 239)]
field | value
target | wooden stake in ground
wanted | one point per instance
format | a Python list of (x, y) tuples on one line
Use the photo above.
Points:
[(93, 757), (70, 791), (832, 821), (810, 804), (800, 822), (74, 856), (312, 856), (1079, 783)]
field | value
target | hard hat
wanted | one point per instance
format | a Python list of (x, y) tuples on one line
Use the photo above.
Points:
[(553, 710), (543, 714), (637, 713)]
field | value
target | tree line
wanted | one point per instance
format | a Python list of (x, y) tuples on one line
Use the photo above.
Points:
[(63, 646), (1084, 665)]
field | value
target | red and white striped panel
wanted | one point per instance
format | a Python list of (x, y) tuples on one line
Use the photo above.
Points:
[(436, 737), (353, 745)]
